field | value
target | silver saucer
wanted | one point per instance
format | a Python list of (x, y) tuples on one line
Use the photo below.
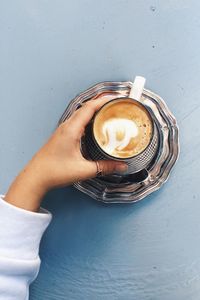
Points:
[(125, 189)]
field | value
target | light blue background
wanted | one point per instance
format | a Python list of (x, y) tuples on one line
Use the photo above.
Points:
[(49, 52)]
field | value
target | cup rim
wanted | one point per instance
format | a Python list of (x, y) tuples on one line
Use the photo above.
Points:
[(122, 158)]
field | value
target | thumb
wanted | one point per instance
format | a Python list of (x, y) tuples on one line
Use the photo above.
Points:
[(105, 167)]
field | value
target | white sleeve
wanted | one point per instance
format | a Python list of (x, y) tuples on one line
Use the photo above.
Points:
[(20, 235)]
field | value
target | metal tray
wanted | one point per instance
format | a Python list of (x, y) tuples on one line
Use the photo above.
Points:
[(126, 189)]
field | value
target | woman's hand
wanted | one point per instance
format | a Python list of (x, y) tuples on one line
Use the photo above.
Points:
[(59, 162)]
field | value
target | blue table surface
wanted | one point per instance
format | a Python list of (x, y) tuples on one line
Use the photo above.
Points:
[(49, 52)]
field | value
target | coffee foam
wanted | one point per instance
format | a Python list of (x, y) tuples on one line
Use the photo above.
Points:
[(122, 128), (119, 133)]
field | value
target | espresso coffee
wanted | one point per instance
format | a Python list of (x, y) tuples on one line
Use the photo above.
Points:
[(123, 128)]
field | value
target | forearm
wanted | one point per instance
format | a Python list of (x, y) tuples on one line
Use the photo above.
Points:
[(28, 188)]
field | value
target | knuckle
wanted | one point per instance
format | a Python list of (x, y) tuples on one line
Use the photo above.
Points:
[(63, 128), (90, 105), (70, 130)]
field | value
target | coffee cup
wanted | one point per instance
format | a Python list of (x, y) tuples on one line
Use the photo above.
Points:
[(123, 130)]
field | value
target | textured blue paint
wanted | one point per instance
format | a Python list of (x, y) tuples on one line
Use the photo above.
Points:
[(50, 51)]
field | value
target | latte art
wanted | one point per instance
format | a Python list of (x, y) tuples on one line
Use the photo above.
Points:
[(122, 128), (118, 134)]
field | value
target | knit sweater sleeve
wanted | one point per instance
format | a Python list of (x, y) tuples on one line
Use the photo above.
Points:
[(20, 235)]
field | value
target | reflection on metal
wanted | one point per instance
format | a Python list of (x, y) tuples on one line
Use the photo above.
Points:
[(133, 187)]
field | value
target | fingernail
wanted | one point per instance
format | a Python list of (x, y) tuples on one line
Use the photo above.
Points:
[(121, 168)]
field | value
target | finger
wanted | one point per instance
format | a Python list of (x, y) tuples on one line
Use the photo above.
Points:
[(83, 115), (109, 166), (106, 166)]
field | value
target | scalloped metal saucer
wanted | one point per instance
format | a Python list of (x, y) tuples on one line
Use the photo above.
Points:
[(134, 187)]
